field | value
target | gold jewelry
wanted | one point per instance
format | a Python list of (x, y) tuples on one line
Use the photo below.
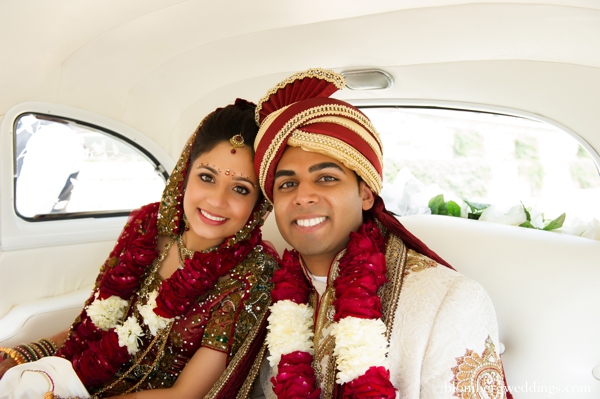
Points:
[(186, 222), (184, 253), (17, 356), (236, 141)]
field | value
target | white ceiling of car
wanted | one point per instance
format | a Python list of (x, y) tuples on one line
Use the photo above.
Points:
[(161, 65)]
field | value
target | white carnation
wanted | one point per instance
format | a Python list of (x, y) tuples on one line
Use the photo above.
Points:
[(129, 334), (154, 322), (106, 313), (290, 329), (359, 345)]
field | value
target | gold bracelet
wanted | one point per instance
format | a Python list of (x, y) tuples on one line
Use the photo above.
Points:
[(14, 355), (50, 345), (26, 351), (40, 349)]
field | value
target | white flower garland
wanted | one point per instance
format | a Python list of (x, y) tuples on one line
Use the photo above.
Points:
[(129, 334), (154, 322), (107, 313), (359, 345), (290, 329)]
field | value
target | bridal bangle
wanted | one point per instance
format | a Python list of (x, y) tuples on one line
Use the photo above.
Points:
[(24, 353)]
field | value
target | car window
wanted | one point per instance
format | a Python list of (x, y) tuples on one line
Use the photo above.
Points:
[(484, 158), (65, 169)]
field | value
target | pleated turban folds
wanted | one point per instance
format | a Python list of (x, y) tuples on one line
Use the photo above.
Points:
[(299, 113)]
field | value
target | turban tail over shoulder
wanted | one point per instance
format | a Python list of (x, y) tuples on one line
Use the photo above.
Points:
[(299, 113)]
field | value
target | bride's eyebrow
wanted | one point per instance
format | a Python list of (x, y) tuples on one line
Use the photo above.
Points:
[(213, 170), (244, 178)]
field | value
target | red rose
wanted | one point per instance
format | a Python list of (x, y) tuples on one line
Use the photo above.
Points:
[(289, 281), (356, 287), (375, 383), (364, 308), (296, 377), (100, 361)]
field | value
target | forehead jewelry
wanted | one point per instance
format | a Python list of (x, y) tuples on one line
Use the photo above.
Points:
[(228, 172), (236, 141)]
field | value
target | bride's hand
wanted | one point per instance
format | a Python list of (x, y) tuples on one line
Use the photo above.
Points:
[(5, 365)]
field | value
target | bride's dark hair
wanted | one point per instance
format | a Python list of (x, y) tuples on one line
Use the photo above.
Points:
[(223, 124)]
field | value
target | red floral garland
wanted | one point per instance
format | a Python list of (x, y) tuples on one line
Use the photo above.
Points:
[(95, 354), (362, 270)]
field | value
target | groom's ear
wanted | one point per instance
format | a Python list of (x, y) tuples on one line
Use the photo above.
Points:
[(367, 196)]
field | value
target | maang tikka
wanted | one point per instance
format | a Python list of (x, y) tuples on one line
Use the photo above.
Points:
[(236, 141)]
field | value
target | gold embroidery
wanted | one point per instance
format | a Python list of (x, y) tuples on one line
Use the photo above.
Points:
[(369, 136), (417, 262), (217, 333), (248, 325), (395, 257), (320, 73), (247, 386), (168, 221), (296, 122), (341, 151), (176, 339), (396, 254), (477, 377), (324, 345), (266, 123)]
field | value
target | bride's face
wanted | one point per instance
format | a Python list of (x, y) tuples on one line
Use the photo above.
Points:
[(221, 191)]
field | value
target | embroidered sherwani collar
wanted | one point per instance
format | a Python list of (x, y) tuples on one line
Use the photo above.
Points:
[(324, 361)]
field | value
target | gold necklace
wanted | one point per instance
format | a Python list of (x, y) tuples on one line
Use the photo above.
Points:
[(184, 252)]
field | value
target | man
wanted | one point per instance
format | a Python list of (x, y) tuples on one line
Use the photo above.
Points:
[(362, 308)]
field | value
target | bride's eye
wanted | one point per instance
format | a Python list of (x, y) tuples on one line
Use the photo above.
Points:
[(241, 190), (207, 178)]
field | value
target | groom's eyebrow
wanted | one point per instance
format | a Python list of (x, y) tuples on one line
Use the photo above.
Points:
[(325, 165), (284, 172)]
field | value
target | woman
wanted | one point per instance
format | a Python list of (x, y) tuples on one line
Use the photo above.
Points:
[(180, 303)]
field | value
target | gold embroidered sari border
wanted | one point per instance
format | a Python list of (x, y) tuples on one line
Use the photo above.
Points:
[(239, 356)]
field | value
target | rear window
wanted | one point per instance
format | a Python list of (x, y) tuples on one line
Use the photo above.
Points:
[(484, 158), (67, 169)]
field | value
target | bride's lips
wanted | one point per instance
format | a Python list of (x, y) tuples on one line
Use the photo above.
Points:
[(211, 218)]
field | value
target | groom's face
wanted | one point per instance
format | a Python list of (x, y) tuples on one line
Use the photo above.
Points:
[(317, 202)]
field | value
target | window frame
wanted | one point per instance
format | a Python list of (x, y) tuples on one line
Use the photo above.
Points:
[(18, 233), (158, 168)]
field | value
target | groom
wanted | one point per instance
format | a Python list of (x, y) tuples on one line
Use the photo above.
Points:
[(361, 307)]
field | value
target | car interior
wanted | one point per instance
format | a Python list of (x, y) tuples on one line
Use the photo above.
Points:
[(133, 79)]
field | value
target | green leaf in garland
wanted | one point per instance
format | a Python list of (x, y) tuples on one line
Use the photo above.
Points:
[(528, 216), (527, 224), (453, 209), (476, 208), (436, 204), (556, 223)]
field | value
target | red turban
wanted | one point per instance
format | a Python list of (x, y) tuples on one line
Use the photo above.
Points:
[(299, 113)]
